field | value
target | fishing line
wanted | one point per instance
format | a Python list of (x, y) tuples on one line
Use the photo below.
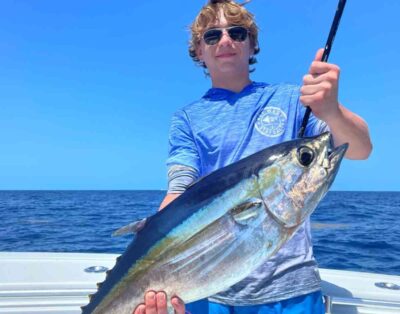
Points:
[(327, 50)]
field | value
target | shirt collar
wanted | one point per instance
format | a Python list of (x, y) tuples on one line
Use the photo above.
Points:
[(221, 93)]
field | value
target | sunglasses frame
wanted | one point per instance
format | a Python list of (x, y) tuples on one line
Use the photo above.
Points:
[(221, 29)]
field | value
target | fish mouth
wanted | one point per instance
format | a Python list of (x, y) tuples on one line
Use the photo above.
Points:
[(333, 161), (335, 155), (330, 156)]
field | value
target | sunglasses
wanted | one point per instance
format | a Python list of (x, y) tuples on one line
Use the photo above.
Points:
[(214, 35)]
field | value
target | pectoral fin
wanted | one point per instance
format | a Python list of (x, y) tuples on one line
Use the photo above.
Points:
[(247, 211), (133, 227)]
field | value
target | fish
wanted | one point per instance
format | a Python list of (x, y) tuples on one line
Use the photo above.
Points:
[(222, 227)]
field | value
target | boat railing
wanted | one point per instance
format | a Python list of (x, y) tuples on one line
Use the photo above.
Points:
[(331, 301)]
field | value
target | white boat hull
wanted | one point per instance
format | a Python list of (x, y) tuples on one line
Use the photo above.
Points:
[(50, 283)]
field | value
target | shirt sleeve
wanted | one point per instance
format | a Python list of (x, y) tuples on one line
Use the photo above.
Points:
[(182, 147), (180, 178), (315, 126)]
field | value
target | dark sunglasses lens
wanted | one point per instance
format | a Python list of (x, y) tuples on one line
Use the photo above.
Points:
[(238, 33), (212, 36)]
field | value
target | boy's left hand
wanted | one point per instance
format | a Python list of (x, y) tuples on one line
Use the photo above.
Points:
[(320, 88)]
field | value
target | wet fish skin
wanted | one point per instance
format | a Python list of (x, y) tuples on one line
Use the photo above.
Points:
[(222, 228)]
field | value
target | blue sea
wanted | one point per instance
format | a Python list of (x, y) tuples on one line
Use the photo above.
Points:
[(351, 230)]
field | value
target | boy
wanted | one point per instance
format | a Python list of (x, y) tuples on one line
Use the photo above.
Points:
[(236, 118)]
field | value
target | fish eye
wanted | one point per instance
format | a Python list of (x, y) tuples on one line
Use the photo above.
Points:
[(305, 155)]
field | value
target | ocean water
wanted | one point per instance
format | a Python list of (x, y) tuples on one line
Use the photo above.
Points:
[(351, 230)]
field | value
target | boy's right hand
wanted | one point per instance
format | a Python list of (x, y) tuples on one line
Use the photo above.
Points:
[(156, 303)]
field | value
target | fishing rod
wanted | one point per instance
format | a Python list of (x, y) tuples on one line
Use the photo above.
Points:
[(327, 50)]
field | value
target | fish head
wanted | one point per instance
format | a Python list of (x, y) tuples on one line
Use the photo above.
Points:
[(296, 175)]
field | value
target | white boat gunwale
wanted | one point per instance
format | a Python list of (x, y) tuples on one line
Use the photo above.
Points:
[(37, 282)]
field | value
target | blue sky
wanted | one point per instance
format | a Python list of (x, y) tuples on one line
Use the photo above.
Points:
[(87, 88)]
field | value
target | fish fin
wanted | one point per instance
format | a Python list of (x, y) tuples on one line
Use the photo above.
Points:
[(246, 211), (246, 205), (133, 227)]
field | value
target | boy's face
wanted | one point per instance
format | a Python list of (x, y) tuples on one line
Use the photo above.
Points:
[(227, 56)]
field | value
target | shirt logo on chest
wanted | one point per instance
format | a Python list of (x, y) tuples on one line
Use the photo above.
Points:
[(271, 122)]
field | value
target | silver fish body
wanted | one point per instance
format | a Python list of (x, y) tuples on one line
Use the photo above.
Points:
[(223, 227)]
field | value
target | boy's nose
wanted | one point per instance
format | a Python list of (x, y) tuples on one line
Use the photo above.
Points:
[(225, 37)]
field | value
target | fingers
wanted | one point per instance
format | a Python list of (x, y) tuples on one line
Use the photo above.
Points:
[(318, 55), (161, 299), (178, 305), (150, 302), (318, 68), (312, 100), (320, 88), (324, 86), (310, 79), (156, 303), (141, 309)]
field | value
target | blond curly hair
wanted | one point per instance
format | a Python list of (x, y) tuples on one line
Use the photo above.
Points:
[(235, 14)]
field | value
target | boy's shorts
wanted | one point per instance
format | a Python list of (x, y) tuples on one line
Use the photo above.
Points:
[(306, 304)]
